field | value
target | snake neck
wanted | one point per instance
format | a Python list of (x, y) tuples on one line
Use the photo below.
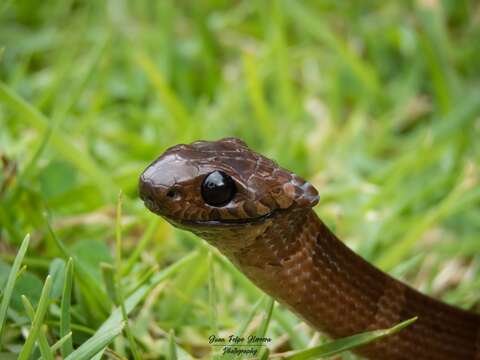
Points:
[(300, 262)]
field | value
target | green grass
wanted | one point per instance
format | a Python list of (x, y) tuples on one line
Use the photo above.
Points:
[(377, 103)]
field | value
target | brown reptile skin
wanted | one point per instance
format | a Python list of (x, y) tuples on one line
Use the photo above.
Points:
[(270, 232)]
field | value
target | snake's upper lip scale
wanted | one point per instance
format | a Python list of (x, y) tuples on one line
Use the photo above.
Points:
[(221, 222)]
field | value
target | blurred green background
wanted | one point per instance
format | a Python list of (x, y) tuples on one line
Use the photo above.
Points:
[(376, 102)]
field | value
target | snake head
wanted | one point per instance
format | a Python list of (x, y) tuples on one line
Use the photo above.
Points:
[(220, 183)]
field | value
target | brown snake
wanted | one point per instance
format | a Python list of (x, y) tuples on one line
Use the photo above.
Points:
[(260, 216)]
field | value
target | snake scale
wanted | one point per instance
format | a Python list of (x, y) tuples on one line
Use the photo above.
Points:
[(260, 216)]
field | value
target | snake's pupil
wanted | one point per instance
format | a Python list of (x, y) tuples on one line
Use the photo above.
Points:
[(218, 188)]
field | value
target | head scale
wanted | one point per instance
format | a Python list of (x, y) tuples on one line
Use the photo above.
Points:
[(172, 186)]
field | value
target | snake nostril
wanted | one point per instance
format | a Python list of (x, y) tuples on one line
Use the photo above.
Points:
[(173, 193)]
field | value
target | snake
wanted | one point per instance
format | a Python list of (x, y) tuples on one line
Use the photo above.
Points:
[(260, 216)]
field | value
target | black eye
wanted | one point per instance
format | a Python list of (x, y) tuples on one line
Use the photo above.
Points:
[(218, 188)]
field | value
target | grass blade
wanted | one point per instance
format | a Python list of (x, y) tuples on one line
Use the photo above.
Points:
[(62, 341), (347, 343), (108, 274), (118, 291), (147, 236), (434, 45), (266, 319), (42, 339), (96, 343), (243, 327), (37, 321), (7, 294), (212, 295), (172, 347), (264, 326), (67, 346)]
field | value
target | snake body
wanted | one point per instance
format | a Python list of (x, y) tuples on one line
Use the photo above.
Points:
[(270, 232)]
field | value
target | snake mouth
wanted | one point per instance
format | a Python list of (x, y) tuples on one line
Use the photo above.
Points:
[(227, 222)]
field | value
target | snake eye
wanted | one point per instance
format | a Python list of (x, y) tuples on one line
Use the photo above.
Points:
[(218, 188)]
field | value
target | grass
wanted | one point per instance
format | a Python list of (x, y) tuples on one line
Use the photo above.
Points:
[(377, 103)]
